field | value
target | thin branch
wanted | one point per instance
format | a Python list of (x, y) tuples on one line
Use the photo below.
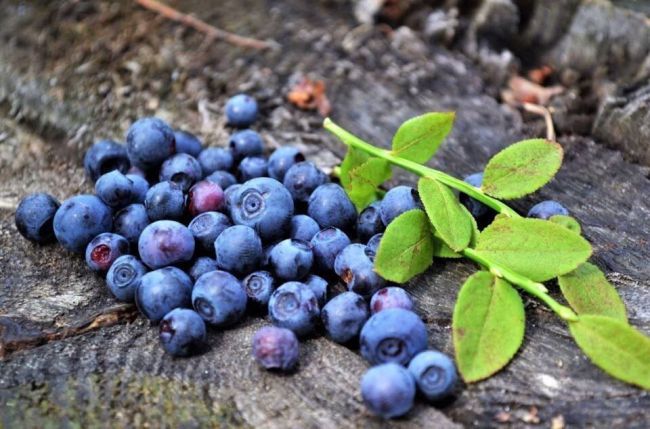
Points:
[(543, 111), (202, 26)]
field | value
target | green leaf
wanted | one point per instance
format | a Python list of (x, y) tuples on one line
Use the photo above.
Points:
[(406, 249), (449, 219), (353, 159), (535, 248), (588, 292), (488, 326), (442, 250), (615, 347), (568, 222), (522, 168), (364, 180), (419, 138)]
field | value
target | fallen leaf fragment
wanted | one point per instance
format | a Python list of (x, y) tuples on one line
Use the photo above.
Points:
[(521, 90), (309, 94)]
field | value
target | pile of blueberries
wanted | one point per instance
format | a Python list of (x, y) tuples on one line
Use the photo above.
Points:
[(198, 236)]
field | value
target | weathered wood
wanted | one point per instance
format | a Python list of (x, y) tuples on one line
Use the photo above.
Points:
[(72, 72)]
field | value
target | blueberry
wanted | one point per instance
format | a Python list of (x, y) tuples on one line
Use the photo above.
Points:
[(301, 180), (222, 178), (241, 110), (393, 335), (202, 265), (434, 374), (329, 205), (165, 242), (294, 306), (140, 187), (130, 222), (165, 200), (135, 171), (161, 291), (246, 143), (182, 169), (343, 317), (303, 228), (373, 245), (264, 205), (476, 208), (104, 249), (79, 220), (266, 256), (259, 286), (252, 167), (230, 195), (369, 222), (238, 249), (115, 189), (546, 209), (282, 159), (390, 297), (388, 390), (204, 196), (356, 269), (215, 159), (318, 285), (219, 298), (276, 348), (124, 276), (398, 200), (187, 143), (35, 216), (182, 332), (206, 227), (291, 259), (149, 142), (326, 244), (105, 156)]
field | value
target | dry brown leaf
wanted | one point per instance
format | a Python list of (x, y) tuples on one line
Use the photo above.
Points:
[(310, 94), (521, 90)]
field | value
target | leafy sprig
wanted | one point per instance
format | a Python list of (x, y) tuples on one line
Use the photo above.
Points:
[(489, 318)]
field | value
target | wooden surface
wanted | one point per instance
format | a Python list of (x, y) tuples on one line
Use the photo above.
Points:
[(72, 72)]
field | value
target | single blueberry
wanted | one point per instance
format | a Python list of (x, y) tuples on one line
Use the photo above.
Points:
[(222, 178), (302, 179), (282, 159), (79, 220), (241, 110), (104, 249), (246, 143), (219, 298), (373, 245), (264, 205), (291, 259), (149, 142), (369, 222), (182, 169), (318, 285), (165, 242), (238, 250), (165, 200), (202, 265), (130, 222), (206, 227), (434, 373), (182, 332), (187, 143), (398, 200), (123, 277), (115, 189), (326, 245), (203, 197), (303, 228), (161, 291), (546, 209), (215, 159), (294, 306), (393, 335), (252, 167), (343, 317), (259, 286), (329, 205), (140, 187), (476, 208), (390, 297), (276, 348), (105, 156), (356, 269), (35, 217), (388, 390), (230, 195)]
